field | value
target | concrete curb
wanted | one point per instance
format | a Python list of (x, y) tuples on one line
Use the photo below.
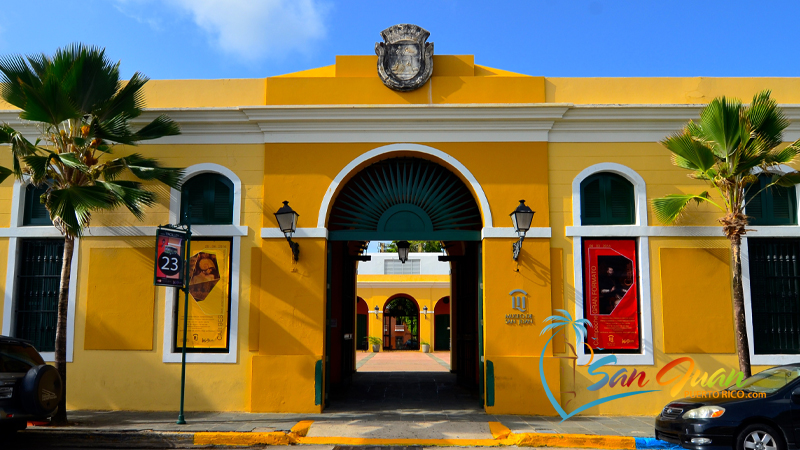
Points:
[(502, 436)]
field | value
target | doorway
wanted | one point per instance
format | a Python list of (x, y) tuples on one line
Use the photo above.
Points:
[(405, 199)]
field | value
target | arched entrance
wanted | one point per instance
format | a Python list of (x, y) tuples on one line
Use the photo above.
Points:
[(404, 198), (401, 323)]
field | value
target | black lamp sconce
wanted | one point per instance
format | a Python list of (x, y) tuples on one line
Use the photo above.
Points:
[(522, 218), (402, 251), (287, 222)]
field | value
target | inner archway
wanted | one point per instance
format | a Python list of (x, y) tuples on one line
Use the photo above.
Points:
[(401, 324)]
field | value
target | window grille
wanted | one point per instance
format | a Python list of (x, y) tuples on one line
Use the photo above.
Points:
[(38, 279), (775, 295)]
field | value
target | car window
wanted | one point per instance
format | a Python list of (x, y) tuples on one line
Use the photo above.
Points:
[(18, 358), (770, 380)]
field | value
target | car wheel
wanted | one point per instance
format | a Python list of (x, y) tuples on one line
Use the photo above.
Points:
[(41, 390), (760, 437)]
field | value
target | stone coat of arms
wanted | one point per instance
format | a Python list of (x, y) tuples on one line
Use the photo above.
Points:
[(405, 60)]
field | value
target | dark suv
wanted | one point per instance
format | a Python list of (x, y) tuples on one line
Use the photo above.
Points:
[(29, 388)]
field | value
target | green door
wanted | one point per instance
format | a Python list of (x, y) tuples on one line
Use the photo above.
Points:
[(441, 333), (361, 332)]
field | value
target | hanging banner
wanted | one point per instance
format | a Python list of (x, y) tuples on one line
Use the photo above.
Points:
[(209, 298), (611, 302), (170, 254)]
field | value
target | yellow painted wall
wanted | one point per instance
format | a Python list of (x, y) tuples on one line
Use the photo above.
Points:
[(292, 324), (515, 348), (669, 91), (119, 304), (697, 300)]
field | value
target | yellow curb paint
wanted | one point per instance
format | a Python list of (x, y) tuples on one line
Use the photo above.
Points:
[(573, 441), (502, 436), (499, 431), (326, 440), (235, 438), (301, 428)]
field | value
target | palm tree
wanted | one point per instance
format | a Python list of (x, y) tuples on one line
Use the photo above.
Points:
[(82, 110), (726, 149)]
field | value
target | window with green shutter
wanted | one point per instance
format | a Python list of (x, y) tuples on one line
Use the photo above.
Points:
[(774, 206), (35, 212), (775, 295), (36, 304), (208, 198), (607, 199)]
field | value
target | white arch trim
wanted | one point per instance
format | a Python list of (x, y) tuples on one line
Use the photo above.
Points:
[(235, 231), (476, 187), (197, 169), (640, 231), (639, 190)]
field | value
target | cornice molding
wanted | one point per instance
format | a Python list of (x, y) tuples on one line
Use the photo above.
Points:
[(542, 122)]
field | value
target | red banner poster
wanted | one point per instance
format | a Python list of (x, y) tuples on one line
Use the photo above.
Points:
[(611, 301), (169, 258)]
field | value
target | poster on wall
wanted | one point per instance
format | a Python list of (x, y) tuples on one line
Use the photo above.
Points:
[(209, 298), (611, 302), (170, 252)]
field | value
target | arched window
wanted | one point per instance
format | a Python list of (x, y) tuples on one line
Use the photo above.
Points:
[(607, 199), (774, 206), (209, 199), (35, 212)]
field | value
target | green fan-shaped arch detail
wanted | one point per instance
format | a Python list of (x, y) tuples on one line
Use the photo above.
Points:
[(405, 198)]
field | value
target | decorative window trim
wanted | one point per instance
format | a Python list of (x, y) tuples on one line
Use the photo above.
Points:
[(34, 232), (235, 232), (776, 231), (639, 231)]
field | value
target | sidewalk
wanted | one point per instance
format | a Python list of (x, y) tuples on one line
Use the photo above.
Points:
[(394, 399), (128, 429)]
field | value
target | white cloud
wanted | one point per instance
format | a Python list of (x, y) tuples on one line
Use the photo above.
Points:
[(254, 29)]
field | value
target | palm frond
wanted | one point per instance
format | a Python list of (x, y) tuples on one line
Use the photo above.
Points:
[(693, 154), (5, 172), (669, 208), (160, 126), (131, 195), (783, 155), (552, 326), (720, 124), (38, 166), (766, 118), (786, 180), (72, 206), (128, 101)]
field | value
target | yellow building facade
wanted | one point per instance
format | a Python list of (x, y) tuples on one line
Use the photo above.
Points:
[(315, 139)]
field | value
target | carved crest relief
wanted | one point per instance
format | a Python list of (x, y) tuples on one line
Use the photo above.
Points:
[(405, 59)]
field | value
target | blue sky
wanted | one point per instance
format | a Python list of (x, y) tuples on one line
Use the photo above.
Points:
[(259, 38)]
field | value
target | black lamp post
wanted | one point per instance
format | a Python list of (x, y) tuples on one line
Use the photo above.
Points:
[(287, 222), (522, 218), (402, 251)]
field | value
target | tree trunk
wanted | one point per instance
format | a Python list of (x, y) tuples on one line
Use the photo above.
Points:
[(60, 418), (742, 346)]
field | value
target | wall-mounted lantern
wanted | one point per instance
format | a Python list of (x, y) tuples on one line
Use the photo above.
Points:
[(402, 250), (287, 222), (522, 218), (426, 312), (376, 311)]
